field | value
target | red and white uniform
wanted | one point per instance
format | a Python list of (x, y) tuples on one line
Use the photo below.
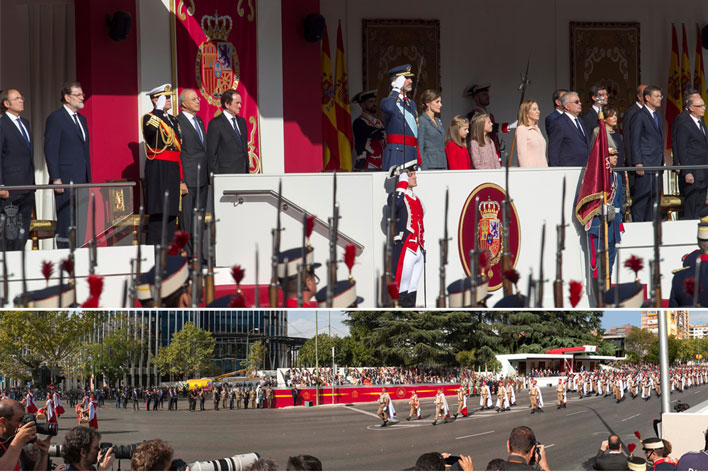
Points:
[(93, 418), (57, 404), (30, 406), (408, 241), (51, 411)]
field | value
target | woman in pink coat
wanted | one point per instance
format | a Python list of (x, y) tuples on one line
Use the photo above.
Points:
[(530, 143)]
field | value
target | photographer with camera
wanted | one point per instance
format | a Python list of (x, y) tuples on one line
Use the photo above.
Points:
[(525, 453), (15, 434), (81, 450)]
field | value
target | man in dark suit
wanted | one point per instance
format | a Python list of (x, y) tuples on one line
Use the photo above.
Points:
[(689, 141), (194, 154), (627, 125), (569, 144), (16, 168), (610, 456), (557, 111), (66, 149), (647, 150), (598, 97), (227, 138)]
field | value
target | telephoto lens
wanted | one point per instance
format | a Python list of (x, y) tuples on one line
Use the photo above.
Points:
[(237, 462)]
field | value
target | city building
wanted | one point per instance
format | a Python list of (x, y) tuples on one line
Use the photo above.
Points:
[(559, 361), (698, 331), (676, 322), (617, 335)]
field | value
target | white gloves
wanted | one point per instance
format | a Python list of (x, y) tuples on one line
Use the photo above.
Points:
[(161, 102), (397, 84), (403, 177)]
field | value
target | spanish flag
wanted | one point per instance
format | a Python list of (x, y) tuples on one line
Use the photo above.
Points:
[(699, 77), (685, 66), (673, 93), (342, 106), (330, 147)]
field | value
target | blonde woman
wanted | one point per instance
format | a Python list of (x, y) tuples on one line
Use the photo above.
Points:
[(482, 150), (530, 143), (458, 157)]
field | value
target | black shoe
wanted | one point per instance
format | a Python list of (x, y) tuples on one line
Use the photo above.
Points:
[(408, 419), (541, 410), (455, 415), (533, 411), (435, 422), (445, 421)]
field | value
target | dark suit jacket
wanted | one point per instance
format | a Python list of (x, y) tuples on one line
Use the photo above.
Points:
[(566, 146), (193, 152), (629, 114), (606, 461), (691, 144), (647, 140), (226, 155), (16, 161), (550, 120), (66, 152), (684, 115), (589, 119)]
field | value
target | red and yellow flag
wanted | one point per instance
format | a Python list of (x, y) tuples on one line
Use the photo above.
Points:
[(673, 92), (330, 147), (685, 67), (596, 180), (342, 106), (699, 76)]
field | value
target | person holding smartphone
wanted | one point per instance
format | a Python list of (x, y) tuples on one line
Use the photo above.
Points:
[(525, 453)]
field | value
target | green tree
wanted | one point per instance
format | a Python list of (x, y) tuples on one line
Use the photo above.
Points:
[(639, 344), (30, 340), (306, 355), (256, 354), (120, 347), (466, 358), (189, 354)]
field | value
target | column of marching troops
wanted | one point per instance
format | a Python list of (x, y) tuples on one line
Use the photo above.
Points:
[(86, 409)]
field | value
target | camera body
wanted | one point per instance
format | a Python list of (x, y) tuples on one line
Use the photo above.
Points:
[(49, 429), (121, 452)]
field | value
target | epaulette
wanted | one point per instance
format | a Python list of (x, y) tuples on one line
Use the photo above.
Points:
[(153, 121), (676, 271)]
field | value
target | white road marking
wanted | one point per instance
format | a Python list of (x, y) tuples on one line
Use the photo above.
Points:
[(473, 435), (550, 445), (362, 411), (576, 413), (633, 416)]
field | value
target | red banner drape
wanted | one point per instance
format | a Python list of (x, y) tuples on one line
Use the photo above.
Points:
[(216, 50)]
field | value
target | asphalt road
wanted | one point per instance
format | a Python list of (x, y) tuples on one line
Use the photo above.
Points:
[(350, 437)]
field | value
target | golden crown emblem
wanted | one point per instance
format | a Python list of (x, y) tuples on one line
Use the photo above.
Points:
[(217, 27), (489, 209)]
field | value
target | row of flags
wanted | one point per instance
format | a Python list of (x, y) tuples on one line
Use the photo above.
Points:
[(680, 76), (337, 139)]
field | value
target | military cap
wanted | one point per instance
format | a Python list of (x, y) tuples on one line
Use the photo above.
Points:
[(294, 258), (631, 295), (404, 70), (460, 292), (636, 463), (364, 96), (344, 295), (476, 88), (165, 89), (56, 296), (175, 276), (652, 443), (703, 230), (221, 302), (511, 301)]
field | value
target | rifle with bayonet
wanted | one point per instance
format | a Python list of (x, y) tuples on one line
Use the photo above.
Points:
[(506, 252), (137, 261), (560, 247), (93, 253), (72, 235), (656, 268), (302, 267), (474, 271), (388, 277), (539, 287), (275, 250), (442, 296), (522, 88), (697, 282), (209, 288), (333, 230), (161, 253), (197, 225), (24, 299), (257, 288), (529, 293)]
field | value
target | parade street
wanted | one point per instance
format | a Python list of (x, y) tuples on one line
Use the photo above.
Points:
[(350, 437)]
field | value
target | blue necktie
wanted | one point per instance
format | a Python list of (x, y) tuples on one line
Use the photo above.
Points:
[(656, 120), (238, 132), (199, 130), (580, 128), (81, 131), (24, 133)]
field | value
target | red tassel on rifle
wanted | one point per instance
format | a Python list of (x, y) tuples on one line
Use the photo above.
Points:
[(68, 266), (631, 447), (639, 436), (309, 225), (576, 289), (238, 273), (512, 276), (95, 288), (349, 256), (392, 291), (47, 269), (635, 264), (180, 240)]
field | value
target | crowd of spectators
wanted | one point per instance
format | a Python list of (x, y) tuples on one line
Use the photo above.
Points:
[(308, 377)]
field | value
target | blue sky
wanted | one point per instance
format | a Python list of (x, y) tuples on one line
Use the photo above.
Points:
[(302, 323)]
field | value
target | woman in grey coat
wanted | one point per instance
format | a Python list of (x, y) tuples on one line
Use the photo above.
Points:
[(431, 134)]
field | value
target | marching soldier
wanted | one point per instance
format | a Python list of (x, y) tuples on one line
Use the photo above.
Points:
[(534, 395), (441, 408), (461, 402), (384, 402), (369, 133), (400, 117), (485, 400), (502, 402), (561, 401), (414, 402), (163, 167)]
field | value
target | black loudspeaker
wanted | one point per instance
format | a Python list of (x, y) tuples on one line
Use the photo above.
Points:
[(314, 27), (119, 25)]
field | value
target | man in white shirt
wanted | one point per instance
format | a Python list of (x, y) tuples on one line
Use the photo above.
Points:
[(691, 144)]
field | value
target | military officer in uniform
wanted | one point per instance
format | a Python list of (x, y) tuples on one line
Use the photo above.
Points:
[(163, 167), (560, 395), (369, 133), (414, 402), (441, 408), (480, 95), (534, 396), (400, 117), (681, 294), (384, 400)]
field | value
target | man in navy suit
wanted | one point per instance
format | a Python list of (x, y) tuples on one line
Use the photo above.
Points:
[(557, 111), (66, 149), (569, 144), (690, 142), (16, 168), (598, 97), (227, 138), (647, 150)]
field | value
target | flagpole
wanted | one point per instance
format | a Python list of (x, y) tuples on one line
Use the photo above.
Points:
[(606, 265)]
